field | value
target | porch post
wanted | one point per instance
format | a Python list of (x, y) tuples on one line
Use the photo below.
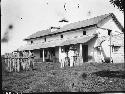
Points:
[(81, 58), (59, 53), (43, 56), (29, 59)]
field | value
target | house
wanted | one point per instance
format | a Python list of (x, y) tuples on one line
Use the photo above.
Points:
[(83, 38)]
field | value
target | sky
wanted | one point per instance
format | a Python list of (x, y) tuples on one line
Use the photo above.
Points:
[(21, 18)]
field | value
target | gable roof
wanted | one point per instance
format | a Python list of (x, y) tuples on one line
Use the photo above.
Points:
[(75, 25)]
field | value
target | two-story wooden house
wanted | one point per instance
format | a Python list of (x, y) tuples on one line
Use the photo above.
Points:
[(83, 37)]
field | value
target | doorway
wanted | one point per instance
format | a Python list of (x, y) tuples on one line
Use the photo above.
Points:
[(85, 53)]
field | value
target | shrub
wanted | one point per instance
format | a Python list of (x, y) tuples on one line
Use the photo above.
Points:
[(84, 75), (107, 60)]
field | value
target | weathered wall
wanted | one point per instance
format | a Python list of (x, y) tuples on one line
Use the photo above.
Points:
[(109, 25), (97, 56), (53, 38), (38, 40), (66, 35), (91, 43), (118, 56), (78, 33)]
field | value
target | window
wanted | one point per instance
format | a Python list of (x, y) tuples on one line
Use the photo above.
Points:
[(45, 39), (116, 48), (61, 36), (84, 32), (109, 32), (31, 41)]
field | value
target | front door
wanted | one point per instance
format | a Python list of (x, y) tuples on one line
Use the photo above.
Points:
[(85, 53)]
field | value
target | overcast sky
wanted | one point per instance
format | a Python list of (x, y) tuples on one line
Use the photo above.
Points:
[(29, 16)]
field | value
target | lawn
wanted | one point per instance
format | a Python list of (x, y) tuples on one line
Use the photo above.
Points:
[(48, 77)]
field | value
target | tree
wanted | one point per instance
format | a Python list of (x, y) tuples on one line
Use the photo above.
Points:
[(118, 3)]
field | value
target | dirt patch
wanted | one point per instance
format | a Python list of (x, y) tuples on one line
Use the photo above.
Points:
[(111, 74)]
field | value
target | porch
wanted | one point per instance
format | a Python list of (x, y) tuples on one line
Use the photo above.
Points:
[(69, 52)]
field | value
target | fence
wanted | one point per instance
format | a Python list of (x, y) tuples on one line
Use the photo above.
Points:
[(17, 61)]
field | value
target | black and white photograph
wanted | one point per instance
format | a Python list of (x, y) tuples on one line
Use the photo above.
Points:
[(62, 46)]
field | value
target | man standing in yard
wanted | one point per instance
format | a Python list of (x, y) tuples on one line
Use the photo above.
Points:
[(71, 54), (31, 59), (63, 55)]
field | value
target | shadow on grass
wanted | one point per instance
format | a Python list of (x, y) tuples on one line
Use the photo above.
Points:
[(111, 74)]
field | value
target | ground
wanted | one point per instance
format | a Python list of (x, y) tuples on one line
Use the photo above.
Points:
[(48, 77)]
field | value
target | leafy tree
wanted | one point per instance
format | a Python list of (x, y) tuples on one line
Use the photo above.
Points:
[(118, 3)]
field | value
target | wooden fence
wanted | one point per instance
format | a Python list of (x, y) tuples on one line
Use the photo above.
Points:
[(17, 61)]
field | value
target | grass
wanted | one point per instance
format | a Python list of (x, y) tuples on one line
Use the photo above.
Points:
[(48, 77)]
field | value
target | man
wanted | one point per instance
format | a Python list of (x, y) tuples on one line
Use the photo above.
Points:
[(71, 54), (63, 55), (31, 57), (24, 61)]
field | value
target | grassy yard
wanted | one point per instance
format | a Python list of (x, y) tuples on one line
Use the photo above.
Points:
[(48, 77)]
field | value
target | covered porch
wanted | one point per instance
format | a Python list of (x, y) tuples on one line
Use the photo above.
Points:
[(69, 52)]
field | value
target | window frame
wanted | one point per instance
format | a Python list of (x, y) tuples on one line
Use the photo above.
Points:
[(84, 32), (116, 48), (31, 41), (61, 36), (45, 39)]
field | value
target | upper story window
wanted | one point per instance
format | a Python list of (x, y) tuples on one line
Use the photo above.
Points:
[(61, 36), (84, 32), (45, 39), (116, 48), (31, 41), (109, 32)]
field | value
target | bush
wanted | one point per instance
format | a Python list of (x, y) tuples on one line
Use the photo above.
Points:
[(84, 75), (107, 60)]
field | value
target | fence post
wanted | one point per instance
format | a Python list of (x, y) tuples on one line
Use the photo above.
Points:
[(13, 61), (6, 62), (9, 61), (18, 65)]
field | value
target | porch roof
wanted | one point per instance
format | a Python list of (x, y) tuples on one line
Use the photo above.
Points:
[(40, 45), (56, 43), (77, 40)]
